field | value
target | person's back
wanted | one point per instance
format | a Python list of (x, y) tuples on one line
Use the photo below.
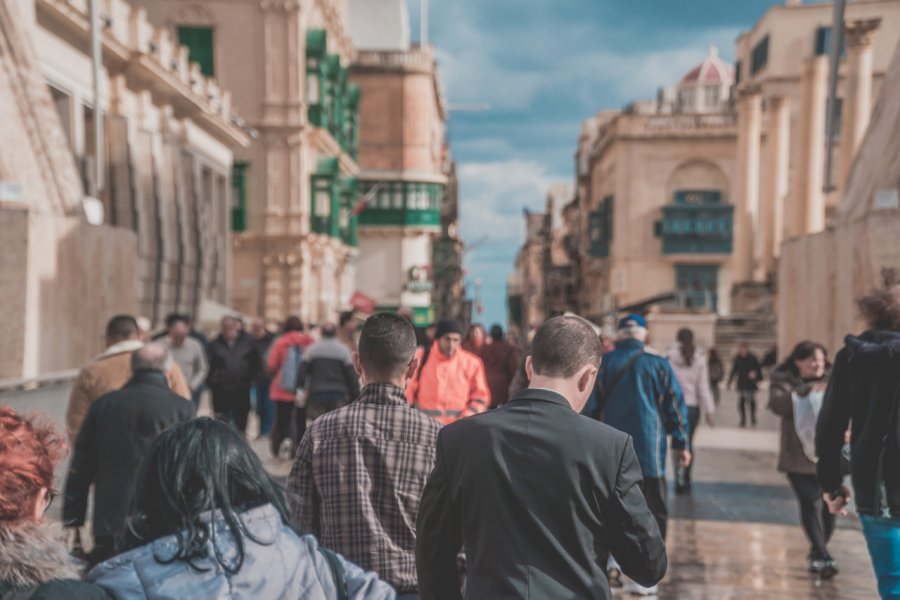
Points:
[(328, 367), (501, 361), (360, 470), (116, 436), (538, 495)]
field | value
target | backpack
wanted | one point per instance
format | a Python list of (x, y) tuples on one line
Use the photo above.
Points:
[(287, 379)]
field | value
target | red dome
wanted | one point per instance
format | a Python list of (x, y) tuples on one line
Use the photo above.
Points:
[(713, 70)]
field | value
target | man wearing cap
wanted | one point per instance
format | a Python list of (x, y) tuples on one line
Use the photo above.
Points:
[(636, 393), (450, 383)]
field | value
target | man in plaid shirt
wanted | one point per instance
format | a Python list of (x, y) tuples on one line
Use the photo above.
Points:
[(360, 470)]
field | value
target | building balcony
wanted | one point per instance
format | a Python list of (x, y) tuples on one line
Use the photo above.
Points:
[(696, 229), (401, 203)]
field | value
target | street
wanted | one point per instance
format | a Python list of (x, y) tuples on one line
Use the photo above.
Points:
[(736, 536)]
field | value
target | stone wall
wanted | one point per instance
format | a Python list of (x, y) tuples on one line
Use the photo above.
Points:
[(61, 280)]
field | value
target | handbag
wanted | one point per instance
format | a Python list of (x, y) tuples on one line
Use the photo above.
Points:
[(337, 573)]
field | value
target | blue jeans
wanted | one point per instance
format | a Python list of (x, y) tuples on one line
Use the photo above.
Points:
[(265, 407), (883, 539)]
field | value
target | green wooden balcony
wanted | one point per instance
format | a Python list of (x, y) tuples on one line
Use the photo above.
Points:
[(402, 203), (697, 229)]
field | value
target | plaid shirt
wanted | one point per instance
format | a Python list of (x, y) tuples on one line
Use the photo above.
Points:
[(358, 477)]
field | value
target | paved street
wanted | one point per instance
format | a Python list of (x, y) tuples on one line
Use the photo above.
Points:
[(736, 536)]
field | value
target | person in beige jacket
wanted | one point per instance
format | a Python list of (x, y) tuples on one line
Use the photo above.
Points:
[(111, 370)]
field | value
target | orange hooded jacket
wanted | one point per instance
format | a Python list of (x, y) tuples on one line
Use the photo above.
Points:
[(449, 388)]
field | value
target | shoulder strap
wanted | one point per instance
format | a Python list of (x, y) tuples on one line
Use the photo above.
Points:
[(631, 361), (337, 573)]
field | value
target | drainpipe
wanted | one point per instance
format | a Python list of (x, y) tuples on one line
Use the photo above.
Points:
[(97, 64)]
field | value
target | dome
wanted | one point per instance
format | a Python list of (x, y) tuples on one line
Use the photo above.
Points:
[(713, 70)]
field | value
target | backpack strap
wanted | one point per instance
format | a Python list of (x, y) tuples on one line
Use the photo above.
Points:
[(337, 573)]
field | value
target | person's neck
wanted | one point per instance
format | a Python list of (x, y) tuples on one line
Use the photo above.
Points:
[(563, 387), (400, 383)]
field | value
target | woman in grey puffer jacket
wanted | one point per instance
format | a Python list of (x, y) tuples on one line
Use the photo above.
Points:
[(208, 522)]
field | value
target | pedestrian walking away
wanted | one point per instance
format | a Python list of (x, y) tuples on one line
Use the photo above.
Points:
[(716, 375), (111, 370), (796, 389), (637, 392), (501, 361), (360, 470), (265, 408), (234, 364), (209, 522), (748, 373), (692, 373), (450, 383), (326, 373), (538, 495), (34, 559), (187, 353), (864, 394), (284, 366), (117, 433)]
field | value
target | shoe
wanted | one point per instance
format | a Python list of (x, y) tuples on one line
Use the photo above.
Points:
[(614, 575), (825, 569), (636, 589)]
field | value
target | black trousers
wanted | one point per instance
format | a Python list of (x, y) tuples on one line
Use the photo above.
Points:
[(747, 404), (683, 474), (232, 406), (290, 422), (655, 493), (818, 522)]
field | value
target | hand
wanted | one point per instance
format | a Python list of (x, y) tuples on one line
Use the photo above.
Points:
[(682, 458), (710, 420), (837, 503)]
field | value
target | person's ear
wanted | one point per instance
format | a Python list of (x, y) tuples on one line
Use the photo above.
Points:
[(586, 379), (357, 366), (412, 367), (529, 368)]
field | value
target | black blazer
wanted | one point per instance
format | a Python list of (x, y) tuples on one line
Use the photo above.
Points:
[(115, 437), (538, 496)]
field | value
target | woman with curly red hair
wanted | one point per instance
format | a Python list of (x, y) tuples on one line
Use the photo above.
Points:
[(34, 561)]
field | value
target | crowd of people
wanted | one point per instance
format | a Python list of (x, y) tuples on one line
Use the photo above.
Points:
[(425, 464)]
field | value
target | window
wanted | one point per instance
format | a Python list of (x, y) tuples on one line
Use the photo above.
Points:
[(823, 42), (239, 191), (711, 96), (600, 228), (737, 72), (760, 56), (63, 104), (199, 41), (687, 97), (698, 197), (697, 286)]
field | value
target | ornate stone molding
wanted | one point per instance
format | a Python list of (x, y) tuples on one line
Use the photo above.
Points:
[(861, 33)]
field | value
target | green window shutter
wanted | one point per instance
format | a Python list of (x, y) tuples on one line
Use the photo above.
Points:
[(199, 41), (239, 185), (759, 57)]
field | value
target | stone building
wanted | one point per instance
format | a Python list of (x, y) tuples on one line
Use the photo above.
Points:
[(408, 216), (653, 205), (150, 235), (821, 275), (286, 62)]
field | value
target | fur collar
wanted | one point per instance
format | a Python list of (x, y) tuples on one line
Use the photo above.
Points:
[(32, 552)]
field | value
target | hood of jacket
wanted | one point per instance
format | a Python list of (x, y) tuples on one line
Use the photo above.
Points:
[(33, 552), (874, 344)]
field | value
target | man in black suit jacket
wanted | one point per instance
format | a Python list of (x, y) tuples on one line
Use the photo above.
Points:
[(538, 495), (113, 440)]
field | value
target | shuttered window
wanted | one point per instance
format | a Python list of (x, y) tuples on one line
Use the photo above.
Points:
[(199, 41)]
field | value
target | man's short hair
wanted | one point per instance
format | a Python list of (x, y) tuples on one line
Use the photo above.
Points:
[(386, 345), (122, 327), (151, 357), (563, 345), (346, 317), (328, 331), (173, 318)]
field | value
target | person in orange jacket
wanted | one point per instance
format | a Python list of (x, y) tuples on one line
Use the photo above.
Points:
[(450, 383)]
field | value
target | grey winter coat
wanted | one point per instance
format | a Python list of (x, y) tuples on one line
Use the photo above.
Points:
[(284, 565)]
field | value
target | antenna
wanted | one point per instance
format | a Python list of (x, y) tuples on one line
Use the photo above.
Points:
[(423, 23)]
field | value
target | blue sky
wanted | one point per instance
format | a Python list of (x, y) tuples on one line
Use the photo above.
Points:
[(544, 66)]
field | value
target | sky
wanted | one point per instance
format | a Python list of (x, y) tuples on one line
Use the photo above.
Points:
[(544, 66)]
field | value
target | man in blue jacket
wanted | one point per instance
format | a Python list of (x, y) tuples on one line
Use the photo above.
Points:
[(637, 393)]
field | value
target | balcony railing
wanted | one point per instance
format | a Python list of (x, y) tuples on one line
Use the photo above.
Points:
[(700, 229)]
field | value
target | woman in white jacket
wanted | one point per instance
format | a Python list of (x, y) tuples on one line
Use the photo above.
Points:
[(692, 371)]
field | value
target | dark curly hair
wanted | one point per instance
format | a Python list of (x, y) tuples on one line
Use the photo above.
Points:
[(881, 308)]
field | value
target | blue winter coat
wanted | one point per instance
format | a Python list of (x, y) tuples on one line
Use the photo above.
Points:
[(646, 403), (285, 565)]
